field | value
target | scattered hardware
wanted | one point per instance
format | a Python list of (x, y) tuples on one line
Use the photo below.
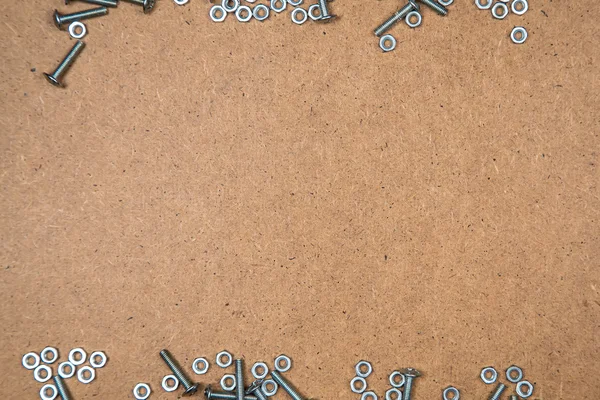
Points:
[(500, 10)]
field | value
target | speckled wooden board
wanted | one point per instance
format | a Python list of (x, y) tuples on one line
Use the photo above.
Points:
[(271, 188)]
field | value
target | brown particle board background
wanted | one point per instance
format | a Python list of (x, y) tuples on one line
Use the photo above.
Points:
[(270, 188)]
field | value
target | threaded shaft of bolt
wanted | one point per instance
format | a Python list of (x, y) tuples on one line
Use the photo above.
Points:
[(68, 60), (78, 16), (498, 391), (281, 381), (176, 369), (408, 388), (259, 394), (104, 3), (398, 16), (62, 389), (513, 397), (440, 9), (324, 9), (226, 396), (239, 379), (138, 2)]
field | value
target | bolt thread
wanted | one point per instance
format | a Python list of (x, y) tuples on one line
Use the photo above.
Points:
[(498, 391), (62, 389), (68, 60), (78, 16), (398, 16), (259, 394), (281, 381), (138, 2), (239, 379), (440, 9), (211, 395), (513, 397), (408, 387), (176, 369), (324, 9), (104, 3)]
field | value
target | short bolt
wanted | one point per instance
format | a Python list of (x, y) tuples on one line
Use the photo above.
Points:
[(410, 374), (61, 20), (281, 381), (189, 386), (61, 387), (440, 9), (147, 5), (498, 391), (239, 379), (212, 395), (104, 3), (56, 77), (325, 15), (255, 389), (398, 16)]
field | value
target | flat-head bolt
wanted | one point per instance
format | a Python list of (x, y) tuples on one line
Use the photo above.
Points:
[(281, 381), (61, 387), (147, 5), (440, 9), (104, 3), (212, 395), (398, 16), (65, 19), (498, 391), (189, 386), (325, 15), (255, 389), (410, 374), (239, 379), (56, 77)]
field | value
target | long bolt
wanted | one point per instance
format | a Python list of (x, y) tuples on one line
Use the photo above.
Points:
[(256, 389), (189, 386), (398, 16), (56, 77), (281, 381), (147, 5), (325, 15), (498, 391), (410, 374), (212, 395), (239, 379), (63, 391), (105, 3), (64, 19), (440, 9)]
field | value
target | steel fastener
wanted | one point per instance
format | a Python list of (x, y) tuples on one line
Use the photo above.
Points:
[(104, 3), (440, 9), (65, 19), (281, 381), (147, 5), (398, 16), (56, 77), (63, 391), (498, 391), (255, 389), (325, 15), (410, 374), (212, 395), (239, 379), (189, 386)]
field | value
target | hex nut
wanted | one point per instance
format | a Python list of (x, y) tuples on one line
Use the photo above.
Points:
[(489, 375), (397, 383), (484, 4), (451, 390), (389, 394), (358, 388), (524, 389), (363, 368)]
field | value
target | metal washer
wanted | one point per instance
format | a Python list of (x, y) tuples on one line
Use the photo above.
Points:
[(386, 43), (73, 30), (518, 30)]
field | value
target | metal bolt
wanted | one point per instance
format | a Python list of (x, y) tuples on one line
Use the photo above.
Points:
[(398, 16), (410, 374), (66, 19), (147, 5), (56, 77), (513, 397), (325, 15), (212, 395), (63, 391), (255, 389), (189, 386), (498, 391), (281, 381), (105, 3), (239, 379), (440, 9)]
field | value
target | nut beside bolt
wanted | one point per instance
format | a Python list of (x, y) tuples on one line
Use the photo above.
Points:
[(61, 387), (398, 16), (410, 374), (189, 386), (281, 381), (498, 391), (65, 19), (440, 9)]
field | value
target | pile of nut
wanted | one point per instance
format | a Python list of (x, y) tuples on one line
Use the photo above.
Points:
[(260, 12), (232, 385), (500, 11), (514, 374), (42, 370), (411, 14)]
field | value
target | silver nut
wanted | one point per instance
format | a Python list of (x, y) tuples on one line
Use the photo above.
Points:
[(524, 389), (363, 368), (484, 4), (358, 384), (489, 375)]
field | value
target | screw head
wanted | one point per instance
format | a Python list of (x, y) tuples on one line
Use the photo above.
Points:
[(56, 18), (410, 372), (415, 4), (327, 18), (254, 386), (148, 5), (191, 390), (53, 80)]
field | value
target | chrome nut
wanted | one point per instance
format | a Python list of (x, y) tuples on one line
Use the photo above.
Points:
[(489, 375), (484, 4)]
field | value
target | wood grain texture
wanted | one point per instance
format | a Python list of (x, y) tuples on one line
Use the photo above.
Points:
[(271, 188)]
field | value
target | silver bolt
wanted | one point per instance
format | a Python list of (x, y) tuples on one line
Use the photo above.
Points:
[(105, 3), (255, 389), (147, 5), (498, 391), (239, 379), (56, 77), (440, 9), (410, 374), (62, 389), (398, 16), (513, 397), (66, 19), (281, 381), (189, 386), (325, 15), (212, 395)]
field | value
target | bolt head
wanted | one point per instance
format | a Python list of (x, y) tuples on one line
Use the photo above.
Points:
[(191, 390), (254, 386), (148, 5), (415, 4), (410, 372), (53, 80), (328, 18), (208, 392), (56, 18)]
